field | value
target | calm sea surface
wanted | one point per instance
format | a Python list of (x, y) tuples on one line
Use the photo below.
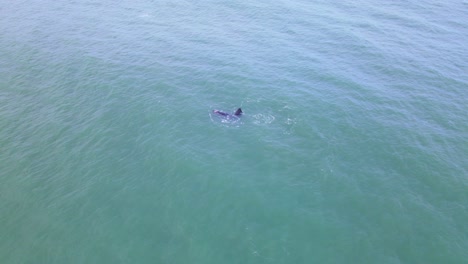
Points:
[(353, 147)]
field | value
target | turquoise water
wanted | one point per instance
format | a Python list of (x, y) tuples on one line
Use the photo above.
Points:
[(353, 147)]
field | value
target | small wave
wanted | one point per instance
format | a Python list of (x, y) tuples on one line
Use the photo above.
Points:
[(145, 15), (290, 123), (263, 119)]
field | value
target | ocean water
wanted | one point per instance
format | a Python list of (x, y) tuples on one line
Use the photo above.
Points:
[(353, 146)]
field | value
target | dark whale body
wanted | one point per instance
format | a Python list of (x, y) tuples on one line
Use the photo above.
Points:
[(238, 113)]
